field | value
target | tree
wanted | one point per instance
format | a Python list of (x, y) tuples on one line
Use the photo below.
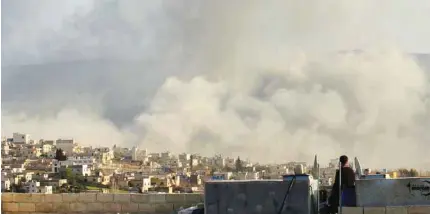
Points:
[(191, 163), (239, 165), (408, 173), (70, 176), (213, 170), (227, 169), (413, 173), (23, 180), (59, 155), (403, 172)]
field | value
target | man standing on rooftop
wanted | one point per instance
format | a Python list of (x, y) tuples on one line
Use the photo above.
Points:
[(347, 186)]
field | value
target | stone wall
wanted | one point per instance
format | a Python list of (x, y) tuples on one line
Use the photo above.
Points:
[(96, 203), (139, 203)]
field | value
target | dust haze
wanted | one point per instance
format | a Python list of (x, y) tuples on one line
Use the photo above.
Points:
[(272, 81)]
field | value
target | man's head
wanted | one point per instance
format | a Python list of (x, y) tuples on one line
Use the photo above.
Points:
[(367, 171), (343, 160)]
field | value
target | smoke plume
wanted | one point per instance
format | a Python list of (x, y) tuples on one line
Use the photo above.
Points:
[(264, 81)]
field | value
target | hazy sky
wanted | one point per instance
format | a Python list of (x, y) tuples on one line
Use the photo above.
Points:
[(27, 26), (258, 79)]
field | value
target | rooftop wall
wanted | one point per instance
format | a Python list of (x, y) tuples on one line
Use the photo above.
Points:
[(387, 210), (96, 203), (258, 196), (265, 196), (393, 192)]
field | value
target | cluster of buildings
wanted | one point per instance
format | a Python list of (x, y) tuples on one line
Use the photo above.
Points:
[(33, 166)]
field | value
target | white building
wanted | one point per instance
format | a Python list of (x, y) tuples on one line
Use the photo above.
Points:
[(139, 154), (103, 155), (46, 148), (21, 138), (31, 151), (71, 161), (34, 187), (184, 157), (146, 184), (82, 170), (45, 189), (218, 161), (195, 162), (277, 171), (5, 184)]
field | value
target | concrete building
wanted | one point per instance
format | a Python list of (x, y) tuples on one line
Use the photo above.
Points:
[(166, 155), (53, 182), (66, 145), (103, 155), (139, 154), (5, 184), (247, 176), (146, 184), (45, 189), (121, 151), (34, 187), (71, 161), (21, 138), (277, 171), (46, 148), (184, 157), (82, 170), (33, 152), (218, 161), (5, 148), (230, 162)]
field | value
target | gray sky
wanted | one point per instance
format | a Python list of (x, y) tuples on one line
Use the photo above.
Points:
[(253, 79), (31, 30)]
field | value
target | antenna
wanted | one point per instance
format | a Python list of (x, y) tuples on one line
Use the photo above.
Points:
[(340, 188), (317, 172)]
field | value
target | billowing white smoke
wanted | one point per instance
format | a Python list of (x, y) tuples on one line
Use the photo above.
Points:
[(87, 128), (371, 104)]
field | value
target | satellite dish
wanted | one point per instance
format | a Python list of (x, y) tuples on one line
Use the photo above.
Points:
[(358, 169)]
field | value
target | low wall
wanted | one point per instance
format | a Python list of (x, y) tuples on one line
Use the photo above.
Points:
[(393, 192), (387, 210), (139, 203), (96, 203)]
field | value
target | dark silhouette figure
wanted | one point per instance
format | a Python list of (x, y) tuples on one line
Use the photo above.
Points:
[(347, 186)]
